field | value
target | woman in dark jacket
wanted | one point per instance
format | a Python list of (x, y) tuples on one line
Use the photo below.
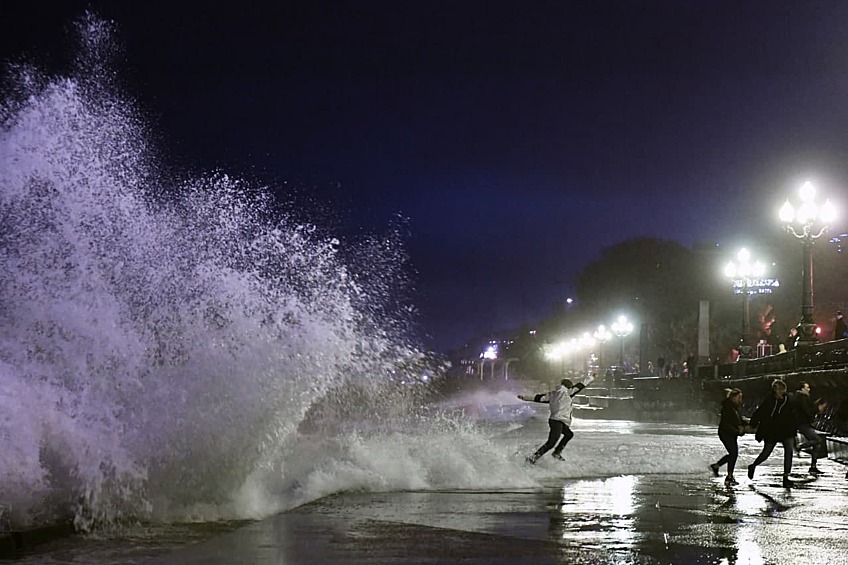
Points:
[(730, 427), (775, 419)]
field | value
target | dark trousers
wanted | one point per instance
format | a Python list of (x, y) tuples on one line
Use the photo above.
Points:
[(732, 447), (768, 447), (813, 440), (557, 429)]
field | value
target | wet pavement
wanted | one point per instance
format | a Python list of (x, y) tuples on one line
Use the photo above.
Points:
[(622, 519)]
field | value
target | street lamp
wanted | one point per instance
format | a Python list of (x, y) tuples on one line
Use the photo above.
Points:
[(622, 328), (807, 223), (740, 272), (602, 335)]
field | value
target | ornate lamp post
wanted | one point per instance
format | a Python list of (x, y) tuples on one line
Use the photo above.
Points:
[(602, 335), (808, 222), (622, 328), (740, 272)]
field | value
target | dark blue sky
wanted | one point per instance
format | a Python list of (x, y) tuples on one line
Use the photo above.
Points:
[(520, 139)]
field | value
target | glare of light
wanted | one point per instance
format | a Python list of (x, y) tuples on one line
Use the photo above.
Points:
[(490, 353), (622, 326), (807, 192), (744, 268), (602, 334), (808, 212), (569, 300), (818, 330), (787, 213), (828, 212), (556, 352)]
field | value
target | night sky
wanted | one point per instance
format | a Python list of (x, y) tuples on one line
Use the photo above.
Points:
[(519, 139)]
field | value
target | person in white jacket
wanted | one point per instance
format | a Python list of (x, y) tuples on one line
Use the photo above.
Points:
[(560, 400)]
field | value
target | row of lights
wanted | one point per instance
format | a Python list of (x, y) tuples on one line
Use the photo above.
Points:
[(621, 328)]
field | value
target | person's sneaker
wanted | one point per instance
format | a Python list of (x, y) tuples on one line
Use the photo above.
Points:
[(531, 459), (557, 456), (787, 483), (815, 471), (730, 481), (751, 471), (714, 469)]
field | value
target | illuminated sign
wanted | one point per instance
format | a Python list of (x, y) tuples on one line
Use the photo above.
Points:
[(490, 353), (755, 286)]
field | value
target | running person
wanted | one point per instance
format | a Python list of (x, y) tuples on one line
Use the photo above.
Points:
[(559, 422), (806, 412), (730, 427), (775, 419)]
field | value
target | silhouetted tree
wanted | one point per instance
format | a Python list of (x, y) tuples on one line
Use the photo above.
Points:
[(651, 281)]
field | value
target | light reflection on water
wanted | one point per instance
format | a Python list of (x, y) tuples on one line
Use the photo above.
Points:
[(605, 506), (748, 549)]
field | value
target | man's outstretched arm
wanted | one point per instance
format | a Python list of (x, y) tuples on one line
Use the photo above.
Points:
[(543, 398), (581, 386)]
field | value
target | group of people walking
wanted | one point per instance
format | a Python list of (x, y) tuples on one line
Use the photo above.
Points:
[(777, 419)]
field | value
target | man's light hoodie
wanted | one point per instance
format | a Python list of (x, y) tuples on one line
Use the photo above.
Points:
[(561, 401)]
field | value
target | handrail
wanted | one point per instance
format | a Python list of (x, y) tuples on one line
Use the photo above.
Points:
[(826, 355)]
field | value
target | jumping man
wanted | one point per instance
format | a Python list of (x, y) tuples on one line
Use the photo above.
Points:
[(561, 407)]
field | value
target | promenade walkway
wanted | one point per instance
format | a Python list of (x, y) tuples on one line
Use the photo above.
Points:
[(624, 519)]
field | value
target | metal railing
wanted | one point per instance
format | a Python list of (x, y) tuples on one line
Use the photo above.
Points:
[(826, 355)]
